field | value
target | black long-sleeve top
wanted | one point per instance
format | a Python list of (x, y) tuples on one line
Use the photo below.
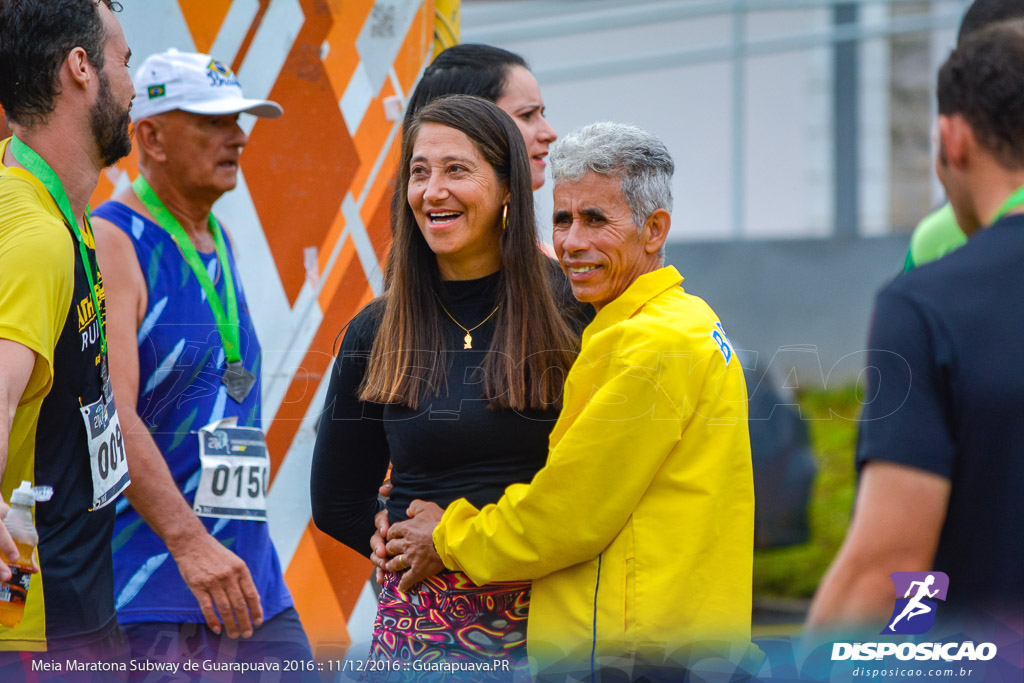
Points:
[(451, 447)]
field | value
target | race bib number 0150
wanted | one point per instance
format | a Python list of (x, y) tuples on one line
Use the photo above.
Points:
[(235, 472), (106, 451)]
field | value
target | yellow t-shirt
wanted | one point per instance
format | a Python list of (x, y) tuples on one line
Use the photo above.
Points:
[(37, 272)]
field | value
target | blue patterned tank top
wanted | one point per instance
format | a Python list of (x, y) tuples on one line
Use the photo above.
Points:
[(181, 360)]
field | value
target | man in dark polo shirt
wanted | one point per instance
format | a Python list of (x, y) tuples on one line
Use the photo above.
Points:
[(941, 447)]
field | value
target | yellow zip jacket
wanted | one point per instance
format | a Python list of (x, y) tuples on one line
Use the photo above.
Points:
[(638, 532)]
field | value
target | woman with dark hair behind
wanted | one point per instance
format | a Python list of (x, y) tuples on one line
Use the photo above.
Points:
[(496, 75), (454, 375)]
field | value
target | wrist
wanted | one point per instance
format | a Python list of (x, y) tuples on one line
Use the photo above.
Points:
[(185, 537)]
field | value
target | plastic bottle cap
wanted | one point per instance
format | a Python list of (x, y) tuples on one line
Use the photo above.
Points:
[(26, 494)]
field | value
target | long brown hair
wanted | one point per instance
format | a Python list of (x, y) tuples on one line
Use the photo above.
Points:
[(532, 347)]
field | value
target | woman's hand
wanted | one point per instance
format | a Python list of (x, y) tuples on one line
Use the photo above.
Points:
[(378, 546), (411, 545), (379, 553)]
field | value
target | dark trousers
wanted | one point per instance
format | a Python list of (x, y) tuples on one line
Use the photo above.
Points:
[(279, 644)]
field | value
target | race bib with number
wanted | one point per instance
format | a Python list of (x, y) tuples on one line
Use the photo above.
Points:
[(235, 472), (106, 451)]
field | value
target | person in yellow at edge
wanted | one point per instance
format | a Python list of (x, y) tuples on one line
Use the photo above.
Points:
[(638, 532), (66, 90)]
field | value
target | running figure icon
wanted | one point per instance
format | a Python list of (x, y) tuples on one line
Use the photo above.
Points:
[(915, 607)]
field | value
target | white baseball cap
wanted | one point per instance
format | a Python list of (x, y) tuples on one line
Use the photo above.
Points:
[(195, 83)]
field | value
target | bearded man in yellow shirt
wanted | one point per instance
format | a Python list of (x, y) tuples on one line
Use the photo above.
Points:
[(66, 90), (638, 532)]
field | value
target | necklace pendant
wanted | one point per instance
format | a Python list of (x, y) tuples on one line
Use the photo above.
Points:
[(469, 341)]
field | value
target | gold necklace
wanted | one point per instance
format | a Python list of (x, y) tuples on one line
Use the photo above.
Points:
[(468, 339)]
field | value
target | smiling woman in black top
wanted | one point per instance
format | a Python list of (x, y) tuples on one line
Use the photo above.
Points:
[(454, 375)]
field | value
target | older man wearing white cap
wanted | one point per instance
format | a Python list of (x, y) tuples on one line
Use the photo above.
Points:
[(185, 362)]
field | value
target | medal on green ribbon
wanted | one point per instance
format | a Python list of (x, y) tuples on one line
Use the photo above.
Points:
[(104, 439), (237, 379)]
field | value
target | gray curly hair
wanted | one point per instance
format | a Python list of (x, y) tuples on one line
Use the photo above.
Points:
[(638, 159)]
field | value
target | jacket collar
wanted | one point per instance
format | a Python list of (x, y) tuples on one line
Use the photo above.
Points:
[(637, 295)]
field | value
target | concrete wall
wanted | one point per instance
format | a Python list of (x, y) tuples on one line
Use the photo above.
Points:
[(803, 306), (744, 102)]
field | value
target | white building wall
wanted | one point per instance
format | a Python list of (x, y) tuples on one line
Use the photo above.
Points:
[(788, 131), (874, 126), (786, 180)]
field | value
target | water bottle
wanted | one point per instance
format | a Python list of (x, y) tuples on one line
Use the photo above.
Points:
[(19, 523)]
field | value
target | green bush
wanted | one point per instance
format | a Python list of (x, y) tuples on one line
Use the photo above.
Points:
[(795, 572)]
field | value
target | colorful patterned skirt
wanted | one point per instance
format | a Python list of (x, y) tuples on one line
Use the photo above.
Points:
[(448, 628)]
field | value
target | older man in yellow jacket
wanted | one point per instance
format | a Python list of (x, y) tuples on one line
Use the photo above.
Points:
[(638, 532)]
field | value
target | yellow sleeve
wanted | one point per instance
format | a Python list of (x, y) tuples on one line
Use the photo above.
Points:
[(581, 499), (38, 267)]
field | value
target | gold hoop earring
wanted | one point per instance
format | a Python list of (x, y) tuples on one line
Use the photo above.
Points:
[(504, 218)]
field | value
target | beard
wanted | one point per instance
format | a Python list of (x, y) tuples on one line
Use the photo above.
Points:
[(110, 125)]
